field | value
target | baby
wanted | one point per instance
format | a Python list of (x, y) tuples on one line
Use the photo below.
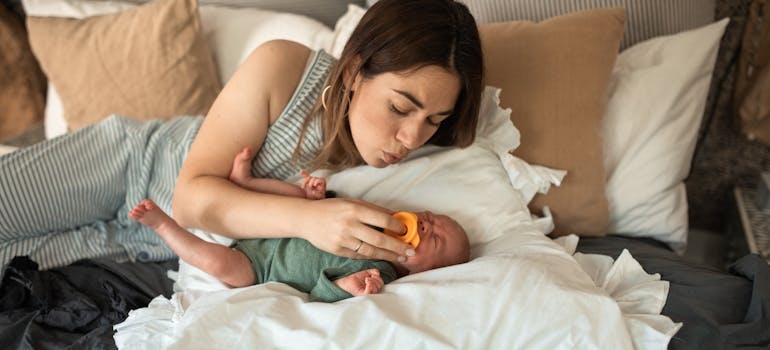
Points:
[(296, 262)]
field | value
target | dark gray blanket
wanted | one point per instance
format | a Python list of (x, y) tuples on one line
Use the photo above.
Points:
[(719, 310)]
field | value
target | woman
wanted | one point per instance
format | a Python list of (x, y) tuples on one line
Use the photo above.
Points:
[(410, 74)]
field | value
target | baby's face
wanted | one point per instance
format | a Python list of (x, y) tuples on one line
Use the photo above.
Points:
[(443, 242)]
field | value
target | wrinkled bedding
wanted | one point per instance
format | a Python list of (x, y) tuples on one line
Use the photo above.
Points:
[(524, 292)]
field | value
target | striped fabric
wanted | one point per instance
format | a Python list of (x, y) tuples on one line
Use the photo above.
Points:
[(645, 19), (325, 11), (273, 160), (68, 198)]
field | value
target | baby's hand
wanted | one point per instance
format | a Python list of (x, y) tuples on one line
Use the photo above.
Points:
[(362, 282), (315, 187)]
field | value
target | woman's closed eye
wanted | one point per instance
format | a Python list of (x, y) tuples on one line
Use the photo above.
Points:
[(402, 113), (432, 123), (395, 109)]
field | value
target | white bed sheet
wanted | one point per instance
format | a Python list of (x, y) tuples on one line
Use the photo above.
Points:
[(523, 293), (521, 290)]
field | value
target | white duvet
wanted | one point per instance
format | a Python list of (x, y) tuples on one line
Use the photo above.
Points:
[(521, 290)]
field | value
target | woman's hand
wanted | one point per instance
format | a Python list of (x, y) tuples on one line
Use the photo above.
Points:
[(348, 227)]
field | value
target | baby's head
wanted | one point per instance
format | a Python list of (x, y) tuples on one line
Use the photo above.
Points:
[(443, 242)]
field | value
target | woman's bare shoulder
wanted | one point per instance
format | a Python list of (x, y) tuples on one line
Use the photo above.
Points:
[(285, 51), (279, 58), (280, 64)]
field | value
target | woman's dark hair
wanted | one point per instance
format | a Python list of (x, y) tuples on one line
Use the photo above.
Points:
[(401, 36)]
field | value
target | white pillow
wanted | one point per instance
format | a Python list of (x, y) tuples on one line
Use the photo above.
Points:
[(344, 28), (232, 33), (4, 149), (73, 8), (54, 122), (657, 99)]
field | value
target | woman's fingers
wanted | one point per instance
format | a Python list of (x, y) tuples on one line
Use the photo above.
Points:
[(372, 244), (378, 245), (384, 222), (384, 247)]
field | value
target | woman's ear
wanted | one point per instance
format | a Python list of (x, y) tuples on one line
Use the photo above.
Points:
[(352, 76)]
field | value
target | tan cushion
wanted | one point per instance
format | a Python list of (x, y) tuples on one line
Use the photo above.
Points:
[(554, 76), (147, 62), (22, 83)]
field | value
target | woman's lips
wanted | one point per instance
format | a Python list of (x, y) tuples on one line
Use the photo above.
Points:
[(391, 158)]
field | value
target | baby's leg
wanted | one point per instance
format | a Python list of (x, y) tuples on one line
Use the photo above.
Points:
[(229, 266), (241, 172)]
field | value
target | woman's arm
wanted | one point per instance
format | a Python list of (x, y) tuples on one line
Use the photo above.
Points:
[(240, 116), (204, 198)]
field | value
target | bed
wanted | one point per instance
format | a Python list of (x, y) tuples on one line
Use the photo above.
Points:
[(573, 194)]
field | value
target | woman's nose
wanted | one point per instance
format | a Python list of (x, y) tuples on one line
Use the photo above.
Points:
[(410, 133)]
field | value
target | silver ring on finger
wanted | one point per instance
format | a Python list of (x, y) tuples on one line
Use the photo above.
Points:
[(360, 243)]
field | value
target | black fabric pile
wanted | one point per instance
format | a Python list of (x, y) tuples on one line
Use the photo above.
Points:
[(77, 305)]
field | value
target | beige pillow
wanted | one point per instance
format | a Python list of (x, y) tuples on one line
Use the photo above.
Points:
[(22, 83), (554, 76), (145, 63)]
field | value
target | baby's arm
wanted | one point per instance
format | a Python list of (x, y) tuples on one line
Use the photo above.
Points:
[(312, 187), (361, 283)]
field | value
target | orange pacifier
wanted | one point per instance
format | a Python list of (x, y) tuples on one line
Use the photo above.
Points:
[(410, 221)]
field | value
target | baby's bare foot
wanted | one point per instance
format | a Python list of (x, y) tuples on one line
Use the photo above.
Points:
[(241, 167), (147, 213)]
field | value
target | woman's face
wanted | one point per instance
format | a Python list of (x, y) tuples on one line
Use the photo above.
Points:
[(396, 113)]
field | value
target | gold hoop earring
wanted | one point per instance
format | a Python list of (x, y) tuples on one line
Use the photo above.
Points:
[(323, 95)]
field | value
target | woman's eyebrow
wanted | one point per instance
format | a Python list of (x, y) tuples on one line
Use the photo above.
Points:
[(417, 102)]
